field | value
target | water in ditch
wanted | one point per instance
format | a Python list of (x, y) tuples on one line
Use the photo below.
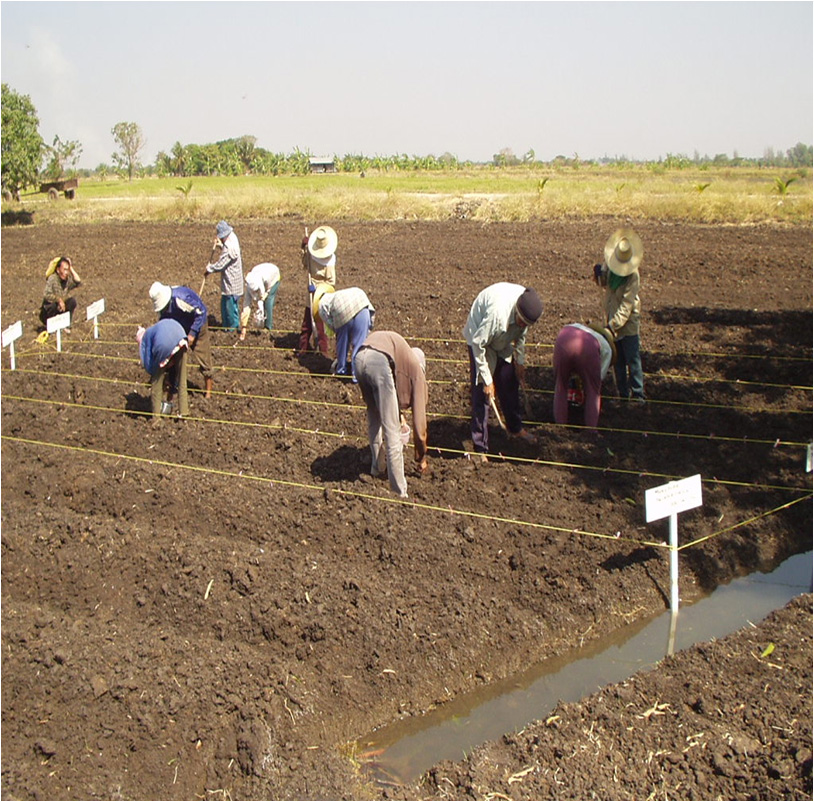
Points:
[(401, 752)]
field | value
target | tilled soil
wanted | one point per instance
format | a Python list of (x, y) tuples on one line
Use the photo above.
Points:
[(219, 607)]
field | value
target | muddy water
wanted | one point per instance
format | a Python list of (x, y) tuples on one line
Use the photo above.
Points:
[(401, 752)]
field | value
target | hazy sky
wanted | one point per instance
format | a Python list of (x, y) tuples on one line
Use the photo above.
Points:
[(639, 79)]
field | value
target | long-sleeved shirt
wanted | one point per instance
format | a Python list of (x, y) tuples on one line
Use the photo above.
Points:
[(411, 384), (187, 308), (622, 305), (230, 267), (492, 331), (320, 271), (160, 342), (338, 308), (56, 288)]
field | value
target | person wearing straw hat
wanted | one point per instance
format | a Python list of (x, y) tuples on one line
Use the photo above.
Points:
[(391, 378), (60, 280), (230, 267), (262, 283), (619, 275), (350, 315), (163, 354), (584, 352), (495, 333), (186, 306), (319, 261)]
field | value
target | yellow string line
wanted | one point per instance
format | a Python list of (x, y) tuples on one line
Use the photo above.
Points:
[(539, 424), (307, 375), (454, 341), (437, 449), (743, 523), (441, 360), (338, 491)]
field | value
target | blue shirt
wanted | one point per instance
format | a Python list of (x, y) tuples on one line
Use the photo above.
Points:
[(160, 342), (187, 308)]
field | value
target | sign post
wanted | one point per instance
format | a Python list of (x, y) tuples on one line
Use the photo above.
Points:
[(94, 310), (671, 499), (57, 323), (12, 333)]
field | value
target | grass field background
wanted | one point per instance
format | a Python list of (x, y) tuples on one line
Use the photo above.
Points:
[(730, 195)]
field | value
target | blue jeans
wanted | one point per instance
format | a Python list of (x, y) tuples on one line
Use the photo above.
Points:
[(629, 376), (353, 333), (229, 313)]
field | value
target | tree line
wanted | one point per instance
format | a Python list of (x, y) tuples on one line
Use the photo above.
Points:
[(27, 159)]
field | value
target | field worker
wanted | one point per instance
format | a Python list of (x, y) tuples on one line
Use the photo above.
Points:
[(230, 267), (163, 352), (185, 306), (262, 283), (495, 333), (585, 352), (619, 275), (319, 261), (60, 280), (350, 315), (391, 378)]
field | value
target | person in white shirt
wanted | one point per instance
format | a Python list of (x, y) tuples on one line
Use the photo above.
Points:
[(496, 335), (262, 283)]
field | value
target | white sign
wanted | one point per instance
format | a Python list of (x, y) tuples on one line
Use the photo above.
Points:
[(58, 322), (12, 333), (808, 458), (672, 498), (96, 309)]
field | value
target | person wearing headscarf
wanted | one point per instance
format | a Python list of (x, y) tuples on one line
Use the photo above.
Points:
[(582, 353), (391, 377), (319, 261), (230, 267), (619, 275), (262, 283), (495, 333), (60, 280), (350, 315), (163, 351), (186, 306)]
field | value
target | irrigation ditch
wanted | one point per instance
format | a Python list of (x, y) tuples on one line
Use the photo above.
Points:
[(224, 606)]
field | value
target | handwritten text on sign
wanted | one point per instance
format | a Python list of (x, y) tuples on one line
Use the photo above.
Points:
[(672, 498), (96, 308)]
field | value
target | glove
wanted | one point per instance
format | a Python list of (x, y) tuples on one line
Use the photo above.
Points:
[(597, 273), (312, 288), (304, 243)]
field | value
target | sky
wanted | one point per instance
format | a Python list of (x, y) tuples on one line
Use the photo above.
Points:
[(633, 79)]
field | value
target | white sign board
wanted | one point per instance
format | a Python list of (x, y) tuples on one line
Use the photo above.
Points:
[(58, 322), (672, 498), (96, 309), (12, 333)]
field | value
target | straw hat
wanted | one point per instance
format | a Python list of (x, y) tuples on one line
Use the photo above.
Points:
[(322, 242), (623, 252), (322, 289), (160, 295)]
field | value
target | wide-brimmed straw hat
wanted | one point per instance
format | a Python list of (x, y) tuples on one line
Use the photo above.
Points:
[(322, 242), (160, 295), (623, 252)]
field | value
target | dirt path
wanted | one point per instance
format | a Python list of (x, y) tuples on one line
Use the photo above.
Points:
[(227, 632)]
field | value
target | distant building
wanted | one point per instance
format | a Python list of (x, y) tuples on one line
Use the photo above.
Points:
[(322, 164)]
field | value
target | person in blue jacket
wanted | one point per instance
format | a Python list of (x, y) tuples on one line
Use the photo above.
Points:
[(185, 306), (163, 353)]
